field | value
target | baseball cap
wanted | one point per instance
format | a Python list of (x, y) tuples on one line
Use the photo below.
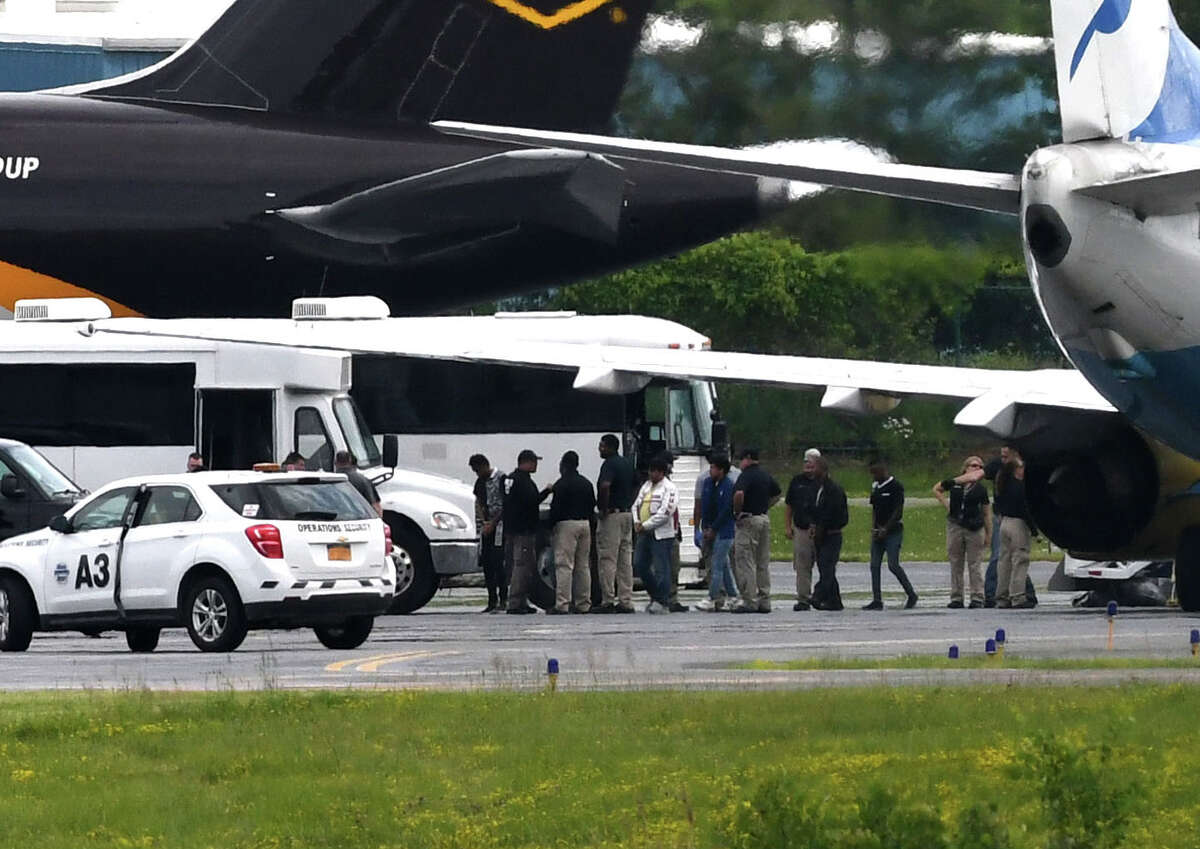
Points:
[(527, 455), (751, 453)]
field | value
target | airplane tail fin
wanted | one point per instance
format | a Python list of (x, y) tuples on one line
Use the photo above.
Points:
[(553, 64), (1126, 71)]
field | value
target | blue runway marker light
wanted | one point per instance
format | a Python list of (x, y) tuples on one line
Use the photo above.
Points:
[(1112, 608), (1000, 636), (990, 648), (953, 654), (1112, 611), (552, 673), (1195, 639)]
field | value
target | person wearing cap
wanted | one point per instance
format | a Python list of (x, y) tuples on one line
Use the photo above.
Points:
[(615, 490), (753, 495), (521, 516), (489, 508), (703, 542), (716, 527), (797, 520), (571, 513), (654, 509), (673, 602)]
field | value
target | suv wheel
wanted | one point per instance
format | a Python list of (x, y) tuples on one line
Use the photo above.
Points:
[(214, 616), (142, 639), (16, 615)]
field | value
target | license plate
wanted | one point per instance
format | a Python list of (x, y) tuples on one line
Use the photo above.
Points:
[(339, 551)]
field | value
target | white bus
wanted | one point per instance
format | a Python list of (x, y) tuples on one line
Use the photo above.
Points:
[(107, 406), (444, 411)]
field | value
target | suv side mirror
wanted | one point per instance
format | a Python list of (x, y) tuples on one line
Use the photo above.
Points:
[(391, 451), (10, 487), (62, 524)]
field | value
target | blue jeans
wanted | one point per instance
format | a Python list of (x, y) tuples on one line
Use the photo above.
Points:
[(989, 577), (720, 578), (652, 563)]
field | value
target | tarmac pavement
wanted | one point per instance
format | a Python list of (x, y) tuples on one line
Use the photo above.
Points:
[(450, 644)]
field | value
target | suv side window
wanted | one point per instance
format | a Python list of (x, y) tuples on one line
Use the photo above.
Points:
[(168, 505), (312, 440), (104, 511)]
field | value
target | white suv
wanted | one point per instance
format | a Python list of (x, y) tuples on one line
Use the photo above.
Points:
[(215, 552)]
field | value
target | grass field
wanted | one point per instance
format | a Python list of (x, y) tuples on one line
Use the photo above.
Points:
[(976, 661), (669, 769)]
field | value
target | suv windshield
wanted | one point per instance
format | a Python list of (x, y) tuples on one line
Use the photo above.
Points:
[(358, 436), (42, 472), (305, 499)]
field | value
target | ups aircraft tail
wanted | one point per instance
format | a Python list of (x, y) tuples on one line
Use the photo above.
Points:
[(1125, 71), (550, 64)]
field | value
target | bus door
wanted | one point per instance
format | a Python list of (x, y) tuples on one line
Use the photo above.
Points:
[(236, 427)]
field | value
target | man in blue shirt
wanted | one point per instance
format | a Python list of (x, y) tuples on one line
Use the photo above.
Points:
[(716, 524)]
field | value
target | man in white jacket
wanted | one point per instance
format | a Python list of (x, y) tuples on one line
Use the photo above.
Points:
[(653, 520)]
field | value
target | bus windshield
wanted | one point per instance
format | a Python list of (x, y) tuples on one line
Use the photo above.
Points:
[(358, 436), (690, 409)]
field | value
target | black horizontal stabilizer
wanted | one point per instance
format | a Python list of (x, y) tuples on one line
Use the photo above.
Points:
[(551, 64), (561, 190)]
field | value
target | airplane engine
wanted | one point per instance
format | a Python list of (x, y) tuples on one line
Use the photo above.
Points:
[(1105, 490)]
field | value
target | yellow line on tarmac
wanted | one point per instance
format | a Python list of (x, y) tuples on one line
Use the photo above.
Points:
[(342, 664), (373, 665)]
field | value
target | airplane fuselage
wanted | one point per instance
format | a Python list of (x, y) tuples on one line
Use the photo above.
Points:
[(173, 211), (1119, 284)]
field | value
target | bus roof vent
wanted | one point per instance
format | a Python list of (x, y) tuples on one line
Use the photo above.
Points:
[(61, 309), (339, 309), (538, 314)]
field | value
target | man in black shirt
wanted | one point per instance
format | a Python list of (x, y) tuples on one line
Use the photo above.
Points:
[(830, 515), (571, 512), (887, 534), (343, 463), (521, 502), (753, 495), (797, 520), (615, 492), (1016, 535), (968, 531)]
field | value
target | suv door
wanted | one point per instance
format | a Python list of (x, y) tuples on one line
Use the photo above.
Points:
[(79, 566), (164, 533), (14, 512)]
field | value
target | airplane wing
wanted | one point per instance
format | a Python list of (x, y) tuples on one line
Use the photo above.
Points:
[(992, 398), (991, 192)]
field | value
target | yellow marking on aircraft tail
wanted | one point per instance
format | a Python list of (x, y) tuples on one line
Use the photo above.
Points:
[(565, 15), (17, 283)]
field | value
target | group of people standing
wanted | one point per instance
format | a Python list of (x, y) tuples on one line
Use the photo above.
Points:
[(973, 526)]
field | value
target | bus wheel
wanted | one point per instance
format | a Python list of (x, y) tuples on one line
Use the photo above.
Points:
[(1187, 570), (541, 586), (348, 635), (416, 582)]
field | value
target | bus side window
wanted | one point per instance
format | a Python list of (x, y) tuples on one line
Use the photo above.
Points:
[(312, 440)]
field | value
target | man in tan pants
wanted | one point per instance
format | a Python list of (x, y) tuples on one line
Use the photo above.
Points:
[(615, 492), (797, 521), (753, 495), (1013, 565), (571, 513), (968, 532)]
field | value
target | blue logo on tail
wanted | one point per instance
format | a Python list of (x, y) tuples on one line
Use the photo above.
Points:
[(1109, 18)]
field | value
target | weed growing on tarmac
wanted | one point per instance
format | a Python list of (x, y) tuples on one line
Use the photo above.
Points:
[(645, 769)]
